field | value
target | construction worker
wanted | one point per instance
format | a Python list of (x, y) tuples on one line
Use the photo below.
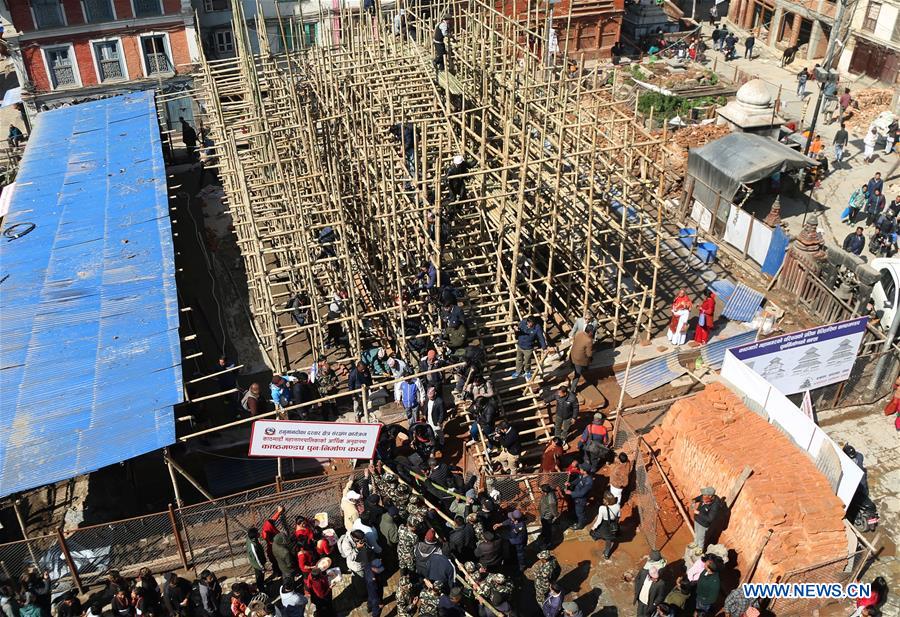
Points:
[(594, 443)]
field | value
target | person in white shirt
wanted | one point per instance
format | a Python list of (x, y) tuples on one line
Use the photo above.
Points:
[(606, 526)]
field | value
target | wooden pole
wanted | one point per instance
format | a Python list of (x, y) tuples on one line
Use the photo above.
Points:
[(179, 543), (189, 478), (69, 561), (22, 528)]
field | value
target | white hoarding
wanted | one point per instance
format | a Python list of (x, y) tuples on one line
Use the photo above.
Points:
[(807, 359), (295, 439)]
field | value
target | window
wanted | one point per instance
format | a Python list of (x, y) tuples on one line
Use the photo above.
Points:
[(211, 6), (47, 13), (109, 61), (309, 34), (61, 66), (224, 42), (98, 10), (147, 8), (871, 18), (896, 35), (156, 57)]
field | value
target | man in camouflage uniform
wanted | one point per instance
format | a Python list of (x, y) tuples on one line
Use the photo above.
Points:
[(404, 596), (389, 486), (478, 526), (544, 571), (415, 506), (406, 546), (429, 598), (401, 499), (496, 588), (473, 576)]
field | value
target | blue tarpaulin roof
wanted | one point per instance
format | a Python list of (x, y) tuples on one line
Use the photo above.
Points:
[(90, 361)]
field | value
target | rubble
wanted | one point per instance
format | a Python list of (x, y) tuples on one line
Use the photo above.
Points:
[(871, 101)]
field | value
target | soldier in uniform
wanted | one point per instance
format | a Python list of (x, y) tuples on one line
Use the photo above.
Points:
[(545, 572), (429, 598), (478, 526), (389, 482), (406, 602), (415, 506), (496, 588), (474, 573), (406, 546), (401, 499)]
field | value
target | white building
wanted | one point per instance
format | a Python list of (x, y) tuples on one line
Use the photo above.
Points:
[(873, 47)]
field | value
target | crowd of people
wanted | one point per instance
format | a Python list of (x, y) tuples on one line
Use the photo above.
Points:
[(868, 204)]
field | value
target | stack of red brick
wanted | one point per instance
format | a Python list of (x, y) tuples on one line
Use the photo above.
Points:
[(706, 440)]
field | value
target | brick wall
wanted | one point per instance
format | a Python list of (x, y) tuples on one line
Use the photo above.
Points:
[(707, 440), (34, 62), (20, 12)]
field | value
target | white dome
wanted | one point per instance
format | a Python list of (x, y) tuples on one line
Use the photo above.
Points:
[(755, 93)]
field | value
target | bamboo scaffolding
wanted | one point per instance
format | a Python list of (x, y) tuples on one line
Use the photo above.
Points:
[(562, 215)]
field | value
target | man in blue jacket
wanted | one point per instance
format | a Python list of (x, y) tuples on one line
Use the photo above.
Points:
[(580, 493), (530, 335)]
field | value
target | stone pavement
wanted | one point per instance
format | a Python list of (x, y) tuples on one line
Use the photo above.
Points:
[(830, 199)]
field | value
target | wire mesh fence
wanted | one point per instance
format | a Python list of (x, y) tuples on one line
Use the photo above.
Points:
[(204, 535), (832, 571), (523, 493)]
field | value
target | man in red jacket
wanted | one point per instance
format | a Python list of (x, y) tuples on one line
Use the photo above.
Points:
[(269, 531), (319, 588)]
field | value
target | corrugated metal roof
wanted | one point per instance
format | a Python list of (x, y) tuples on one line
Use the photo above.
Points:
[(713, 353), (89, 346), (651, 374), (743, 304)]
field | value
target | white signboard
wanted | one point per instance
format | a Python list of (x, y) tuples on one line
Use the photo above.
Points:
[(807, 359), (295, 439), (701, 215)]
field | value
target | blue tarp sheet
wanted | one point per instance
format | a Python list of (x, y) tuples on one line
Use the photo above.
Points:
[(90, 361)]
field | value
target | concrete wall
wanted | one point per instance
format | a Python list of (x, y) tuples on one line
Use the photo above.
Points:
[(707, 440)]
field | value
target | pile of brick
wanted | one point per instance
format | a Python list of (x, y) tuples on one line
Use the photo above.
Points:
[(708, 439), (871, 101), (681, 140)]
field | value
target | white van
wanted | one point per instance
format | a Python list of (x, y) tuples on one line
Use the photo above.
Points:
[(885, 292)]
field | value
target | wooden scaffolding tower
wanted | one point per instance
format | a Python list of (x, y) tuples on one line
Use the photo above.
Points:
[(562, 215)]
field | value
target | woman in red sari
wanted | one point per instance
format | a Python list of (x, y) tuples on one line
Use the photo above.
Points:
[(705, 321), (681, 313)]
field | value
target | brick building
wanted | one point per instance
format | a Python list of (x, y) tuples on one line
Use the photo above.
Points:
[(72, 50), (592, 30), (873, 47), (784, 23)]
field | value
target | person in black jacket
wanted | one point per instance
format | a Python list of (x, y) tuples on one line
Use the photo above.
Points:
[(855, 242), (649, 590), (461, 540), (706, 510), (507, 437), (489, 553), (358, 377), (566, 411)]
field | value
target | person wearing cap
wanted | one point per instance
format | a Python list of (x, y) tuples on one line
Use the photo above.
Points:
[(350, 508), (404, 598), (450, 603), (707, 507), (548, 509), (375, 582), (580, 492), (552, 602), (429, 597), (456, 183), (507, 437), (516, 535), (280, 391), (655, 560), (570, 609), (406, 546), (708, 587), (529, 334), (738, 605), (319, 587), (545, 572), (441, 36), (649, 590), (594, 442), (496, 588), (582, 353), (376, 358), (566, 411), (431, 561)]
